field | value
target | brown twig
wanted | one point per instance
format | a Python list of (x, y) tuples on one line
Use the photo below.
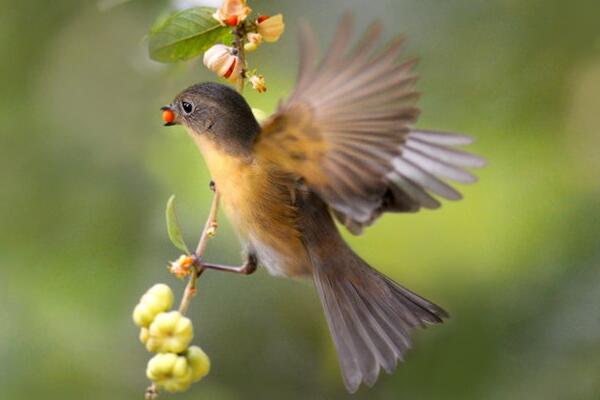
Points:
[(151, 392), (240, 33), (210, 226), (207, 232)]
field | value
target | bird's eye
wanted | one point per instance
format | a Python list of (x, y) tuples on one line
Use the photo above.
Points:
[(187, 107)]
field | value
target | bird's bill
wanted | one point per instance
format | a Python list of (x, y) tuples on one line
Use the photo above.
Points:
[(168, 115)]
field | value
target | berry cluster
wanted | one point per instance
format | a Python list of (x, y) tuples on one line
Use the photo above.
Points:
[(169, 333)]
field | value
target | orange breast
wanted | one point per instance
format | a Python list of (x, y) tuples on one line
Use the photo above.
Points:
[(259, 206)]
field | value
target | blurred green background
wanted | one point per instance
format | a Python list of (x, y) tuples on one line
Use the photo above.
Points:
[(86, 169)]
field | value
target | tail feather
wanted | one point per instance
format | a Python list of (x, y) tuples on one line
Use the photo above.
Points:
[(370, 317)]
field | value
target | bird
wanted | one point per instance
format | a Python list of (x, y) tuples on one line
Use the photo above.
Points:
[(342, 147)]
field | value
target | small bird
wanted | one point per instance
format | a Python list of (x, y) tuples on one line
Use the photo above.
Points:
[(342, 147)]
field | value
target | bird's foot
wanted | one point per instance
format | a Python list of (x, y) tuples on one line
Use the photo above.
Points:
[(247, 268)]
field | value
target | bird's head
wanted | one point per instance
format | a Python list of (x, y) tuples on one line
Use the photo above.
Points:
[(217, 112)]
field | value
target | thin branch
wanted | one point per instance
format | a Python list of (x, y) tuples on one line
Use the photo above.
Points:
[(209, 231), (210, 226), (240, 33), (151, 392)]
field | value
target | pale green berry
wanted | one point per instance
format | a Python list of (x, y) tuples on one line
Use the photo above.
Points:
[(181, 369), (170, 371), (198, 361), (250, 47), (153, 304), (175, 386), (144, 335), (163, 294), (160, 366), (143, 315), (170, 332), (157, 299)]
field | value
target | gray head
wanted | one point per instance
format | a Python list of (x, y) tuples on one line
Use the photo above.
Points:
[(217, 111)]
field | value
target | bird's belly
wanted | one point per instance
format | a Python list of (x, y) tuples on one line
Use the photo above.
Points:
[(277, 246), (259, 216), (274, 261)]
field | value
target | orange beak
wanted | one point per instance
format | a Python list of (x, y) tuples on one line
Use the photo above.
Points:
[(168, 116)]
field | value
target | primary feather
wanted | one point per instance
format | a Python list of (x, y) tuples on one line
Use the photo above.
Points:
[(346, 131)]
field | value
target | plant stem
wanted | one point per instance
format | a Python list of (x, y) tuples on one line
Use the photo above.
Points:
[(240, 32), (151, 392), (209, 226), (207, 232)]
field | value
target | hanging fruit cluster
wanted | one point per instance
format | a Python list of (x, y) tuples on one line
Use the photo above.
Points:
[(169, 334)]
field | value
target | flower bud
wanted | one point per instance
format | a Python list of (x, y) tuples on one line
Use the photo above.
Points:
[(157, 299), (250, 47), (258, 83), (254, 40), (170, 371), (198, 361), (270, 28), (223, 61), (170, 332), (232, 12)]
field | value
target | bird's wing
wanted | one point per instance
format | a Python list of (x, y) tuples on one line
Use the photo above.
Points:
[(346, 131)]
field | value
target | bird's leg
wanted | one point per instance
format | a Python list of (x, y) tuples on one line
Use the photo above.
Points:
[(245, 269)]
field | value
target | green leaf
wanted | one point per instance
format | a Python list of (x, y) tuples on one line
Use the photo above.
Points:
[(186, 34), (173, 227)]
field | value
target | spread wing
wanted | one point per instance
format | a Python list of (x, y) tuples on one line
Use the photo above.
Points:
[(346, 131)]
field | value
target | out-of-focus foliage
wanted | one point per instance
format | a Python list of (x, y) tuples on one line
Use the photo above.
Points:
[(86, 169)]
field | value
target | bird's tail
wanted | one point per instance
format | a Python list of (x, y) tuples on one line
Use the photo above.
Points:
[(370, 317)]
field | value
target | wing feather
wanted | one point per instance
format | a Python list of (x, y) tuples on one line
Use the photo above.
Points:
[(346, 130)]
